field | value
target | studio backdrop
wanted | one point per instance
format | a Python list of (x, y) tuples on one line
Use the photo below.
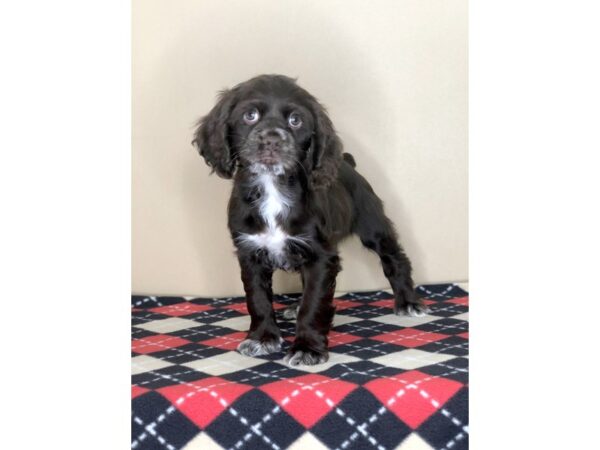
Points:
[(393, 76)]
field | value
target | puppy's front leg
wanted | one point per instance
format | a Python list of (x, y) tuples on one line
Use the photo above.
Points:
[(264, 336), (315, 313)]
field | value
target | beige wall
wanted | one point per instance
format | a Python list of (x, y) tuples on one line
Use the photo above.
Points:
[(393, 75)]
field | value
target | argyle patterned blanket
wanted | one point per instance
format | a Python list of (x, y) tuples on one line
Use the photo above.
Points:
[(391, 382)]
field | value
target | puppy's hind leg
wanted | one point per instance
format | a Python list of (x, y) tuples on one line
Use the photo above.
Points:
[(291, 311), (377, 233)]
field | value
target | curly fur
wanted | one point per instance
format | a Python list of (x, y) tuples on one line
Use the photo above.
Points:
[(212, 136), (295, 196)]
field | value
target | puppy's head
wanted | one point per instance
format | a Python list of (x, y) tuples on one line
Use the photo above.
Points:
[(270, 124)]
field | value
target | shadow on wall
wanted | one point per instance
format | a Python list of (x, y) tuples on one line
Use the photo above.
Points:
[(256, 53)]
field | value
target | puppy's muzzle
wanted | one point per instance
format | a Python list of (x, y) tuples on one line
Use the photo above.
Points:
[(271, 143)]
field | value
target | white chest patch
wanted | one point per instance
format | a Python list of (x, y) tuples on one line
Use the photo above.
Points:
[(273, 202), (273, 205)]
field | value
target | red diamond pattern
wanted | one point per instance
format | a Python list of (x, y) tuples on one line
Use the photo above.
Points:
[(459, 301), (385, 303), (242, 308), (413, 396), (156, 343), (277, 305), (336, 338), (239, 307), (410, 337), (181, 309), (340, 305), (227, 342), (137, 390), (203, 400), (309, 397)]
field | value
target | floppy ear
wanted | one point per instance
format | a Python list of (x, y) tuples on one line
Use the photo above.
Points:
[(325, 151), (211, 136)]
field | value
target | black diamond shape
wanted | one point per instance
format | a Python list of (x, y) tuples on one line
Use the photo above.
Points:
[(443, 309), (364, 311), (366, 297), (167, 301), (263, 374), (445, 326), (453, 345), (187, 353), (440, 291), (139, 333), (454, 369), (287, 299), (175, 428), (167, 376), (360, 407), (256, 407), (288, 328), (441, 427), (365, 328), (368, 348), (214, 315), (209, 301), (202, 333), (360, 372), (144, 301), (143, 317)]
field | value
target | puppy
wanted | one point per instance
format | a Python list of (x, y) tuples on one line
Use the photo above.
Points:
[(295, 196)]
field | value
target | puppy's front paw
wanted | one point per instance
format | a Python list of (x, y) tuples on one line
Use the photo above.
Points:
[(305, 357), (251, 347), (407, 304), (412, 309)]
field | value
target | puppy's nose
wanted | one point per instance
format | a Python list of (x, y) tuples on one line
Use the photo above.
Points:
[(272, 143), (272, 138)]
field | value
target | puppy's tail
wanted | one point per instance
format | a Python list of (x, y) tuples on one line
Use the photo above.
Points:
[(349, 159)]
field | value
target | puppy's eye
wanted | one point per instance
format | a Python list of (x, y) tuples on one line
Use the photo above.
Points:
[(294, 120), (251, 116)]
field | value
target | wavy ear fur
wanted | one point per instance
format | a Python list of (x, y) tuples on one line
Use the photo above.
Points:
[(325, 151), (211, 136)]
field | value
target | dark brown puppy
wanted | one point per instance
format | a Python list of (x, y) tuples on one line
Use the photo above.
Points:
[(295, 197)]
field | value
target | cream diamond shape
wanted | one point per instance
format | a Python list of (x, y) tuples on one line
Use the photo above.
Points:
[(411, 359), (224, 363), (404, 321), (307, 442), (202, 442), (340, 319), (168, 325), (145, 363), (414, 442), (240, 323), (463, 316), (334, 358)]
